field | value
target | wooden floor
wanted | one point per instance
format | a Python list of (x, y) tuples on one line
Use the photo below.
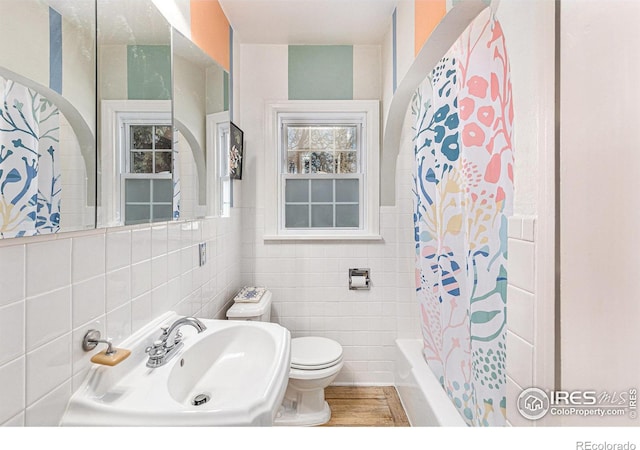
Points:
[(365, 407)]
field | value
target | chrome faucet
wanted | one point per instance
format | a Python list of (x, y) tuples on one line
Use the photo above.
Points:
[(163, 349)]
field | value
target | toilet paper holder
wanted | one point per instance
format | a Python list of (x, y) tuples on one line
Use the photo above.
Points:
[(359, 279)]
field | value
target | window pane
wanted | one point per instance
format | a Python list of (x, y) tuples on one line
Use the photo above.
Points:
[(162, 191), (293, 162), (322, 216), (163, 162), (164, 136), (141, 162), (322, 162), (225, 196), (137, 214), (322, 190), (347, 162), (297, 138), (224, 156), (321, 138), (347, 191), (141, 136), (162, 212), (345, 138), (296, 216), (347, 216), (305, 163), (297, 191), (323, 158), (137, 191)]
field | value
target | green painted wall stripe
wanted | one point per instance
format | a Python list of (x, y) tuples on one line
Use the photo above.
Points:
[(229, 85), (320, 72), (55, 50), (149, 72)]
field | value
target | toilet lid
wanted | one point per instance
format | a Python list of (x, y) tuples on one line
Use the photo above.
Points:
[(310, 353)]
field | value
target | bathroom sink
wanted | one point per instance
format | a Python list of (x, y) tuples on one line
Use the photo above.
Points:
[(234, 373)]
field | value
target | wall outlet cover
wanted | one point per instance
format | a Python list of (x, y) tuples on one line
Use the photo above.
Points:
[(202, 247)]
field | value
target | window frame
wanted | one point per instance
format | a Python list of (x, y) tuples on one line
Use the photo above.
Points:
[(317, 112), (358, 120), (219, 188), (126, 121), (112, 163)]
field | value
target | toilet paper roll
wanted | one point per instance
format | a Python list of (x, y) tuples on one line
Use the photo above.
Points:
[(358, 281)]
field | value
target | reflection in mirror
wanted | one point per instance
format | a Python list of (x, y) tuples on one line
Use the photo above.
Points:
[(47, 116), (201, 120), (136, 133)]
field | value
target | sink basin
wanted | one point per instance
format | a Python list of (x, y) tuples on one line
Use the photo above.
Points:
[(232, 374)]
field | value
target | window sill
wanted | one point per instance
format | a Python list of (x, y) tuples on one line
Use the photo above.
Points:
[(323, 237)]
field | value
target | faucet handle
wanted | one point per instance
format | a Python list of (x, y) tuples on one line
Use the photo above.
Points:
[(157, 353), (157, 349), (178, 338)]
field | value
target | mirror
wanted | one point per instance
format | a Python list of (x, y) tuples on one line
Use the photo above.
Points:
[(90, 133), (135, 133), (201, 120), (47, 116)]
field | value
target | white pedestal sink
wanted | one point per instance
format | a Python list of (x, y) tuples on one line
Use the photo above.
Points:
[(232, 374)]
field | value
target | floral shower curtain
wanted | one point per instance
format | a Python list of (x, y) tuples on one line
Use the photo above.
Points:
[(463, 193), (30, 185)]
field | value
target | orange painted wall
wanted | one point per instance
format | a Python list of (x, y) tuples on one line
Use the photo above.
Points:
[(428, 14), (210, 30)]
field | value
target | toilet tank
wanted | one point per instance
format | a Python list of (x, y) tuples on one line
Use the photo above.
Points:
[(259, 311)]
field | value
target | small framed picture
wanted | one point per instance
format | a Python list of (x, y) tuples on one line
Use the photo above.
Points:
[(236, 149)]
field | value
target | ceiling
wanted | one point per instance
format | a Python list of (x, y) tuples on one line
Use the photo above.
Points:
[(312, 22), (119, 21)]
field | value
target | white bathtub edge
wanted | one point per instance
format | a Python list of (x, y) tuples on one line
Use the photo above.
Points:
[(424, 400)]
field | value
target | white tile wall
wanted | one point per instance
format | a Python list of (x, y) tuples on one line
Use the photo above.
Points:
[(521, 312), (77, 216), (514, 418), (88, 257), (12, 388), (522, 264), (188, 177), (521, 301), (118, 249), (49, 262), (88, 300), (309, 280), (519, 360), (53, 289), (48, 366), (51, 405), (118, 288), (12, 268), (48, 316), (11, 331)]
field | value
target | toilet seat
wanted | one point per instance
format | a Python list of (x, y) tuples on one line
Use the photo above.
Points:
[(314, 353)]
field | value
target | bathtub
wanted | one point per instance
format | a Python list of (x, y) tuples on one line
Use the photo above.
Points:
[(424, 400)]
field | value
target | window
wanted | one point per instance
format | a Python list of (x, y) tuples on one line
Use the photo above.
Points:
[(149, 176), (321, 173), (325, 163), (147, 183), (224, 180), (219, 182)]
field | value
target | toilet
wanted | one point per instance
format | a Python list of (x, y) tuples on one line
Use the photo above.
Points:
[(315, 363)]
